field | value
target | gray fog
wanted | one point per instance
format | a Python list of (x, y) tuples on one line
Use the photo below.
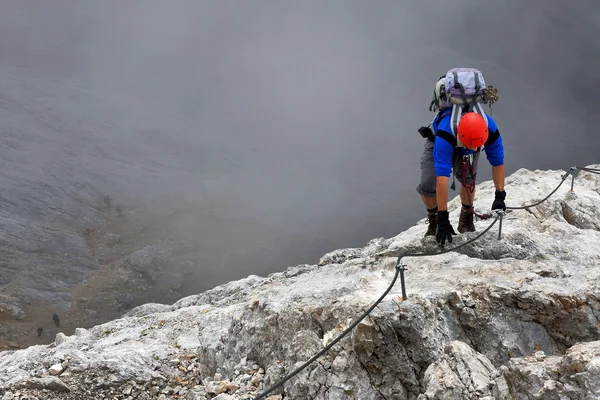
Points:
[(273, 132)]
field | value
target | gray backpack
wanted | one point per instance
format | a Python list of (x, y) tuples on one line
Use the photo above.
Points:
[(466, 91)]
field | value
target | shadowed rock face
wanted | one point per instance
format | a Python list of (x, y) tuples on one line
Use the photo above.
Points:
[(476, 324)]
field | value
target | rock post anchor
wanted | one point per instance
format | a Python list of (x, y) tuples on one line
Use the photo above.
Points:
[(500, 226), (401, 267), (573, 171)]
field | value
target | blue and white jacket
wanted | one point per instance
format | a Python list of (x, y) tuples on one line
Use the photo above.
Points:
[(443, 148)]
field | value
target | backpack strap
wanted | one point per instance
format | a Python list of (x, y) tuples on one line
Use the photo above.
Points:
[(448, 137), (463, 96), (441, 114), (443, 134), (492, 138), (478, 108), (455, 118)]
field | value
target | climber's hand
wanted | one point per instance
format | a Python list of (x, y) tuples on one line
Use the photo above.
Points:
[(444, 229), (499, 201)]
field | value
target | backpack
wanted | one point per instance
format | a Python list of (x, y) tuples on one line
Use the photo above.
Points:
[(465, 91)]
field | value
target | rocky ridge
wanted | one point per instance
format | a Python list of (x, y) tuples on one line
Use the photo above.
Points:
[(516, 318)]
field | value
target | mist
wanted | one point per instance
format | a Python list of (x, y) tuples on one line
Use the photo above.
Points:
[(278, 131)]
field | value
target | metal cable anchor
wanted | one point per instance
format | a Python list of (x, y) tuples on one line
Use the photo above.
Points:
[(500, 214), (401, 267), (573, 171)]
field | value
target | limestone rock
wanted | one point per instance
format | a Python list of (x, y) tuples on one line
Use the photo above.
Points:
[(465, 373), (56, 369), (224, 396), (189, 340), (61, 338), (50, 383), (497, 318), (574, 375)]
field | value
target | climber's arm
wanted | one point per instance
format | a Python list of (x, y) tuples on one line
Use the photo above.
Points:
[(442, 158)]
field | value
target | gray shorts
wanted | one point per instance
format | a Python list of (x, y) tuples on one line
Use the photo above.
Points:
[(428, 178)]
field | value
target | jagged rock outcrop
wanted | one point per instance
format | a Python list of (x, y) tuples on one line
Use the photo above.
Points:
[(576, 375), (516, 318)]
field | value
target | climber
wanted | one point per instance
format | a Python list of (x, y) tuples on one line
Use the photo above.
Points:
[(40, 331), (455, 138), (107, 202), (56, 320)]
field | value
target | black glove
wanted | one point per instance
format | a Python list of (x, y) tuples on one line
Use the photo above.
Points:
[(444, 228), (499, 201), (426, 132)]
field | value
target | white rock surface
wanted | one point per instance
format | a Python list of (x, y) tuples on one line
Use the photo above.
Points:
[(56, 369), (498, 319), (576, 375)]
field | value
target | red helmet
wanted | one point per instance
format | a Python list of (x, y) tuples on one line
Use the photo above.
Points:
[(472, 130)]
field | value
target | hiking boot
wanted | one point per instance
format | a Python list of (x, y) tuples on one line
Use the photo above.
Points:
[(465, 221), (433, 220)]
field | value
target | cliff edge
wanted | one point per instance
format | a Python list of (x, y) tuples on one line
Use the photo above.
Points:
[(515, 318)]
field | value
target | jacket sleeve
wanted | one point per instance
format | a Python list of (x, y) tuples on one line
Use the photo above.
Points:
[(494, 149), (442, 157)]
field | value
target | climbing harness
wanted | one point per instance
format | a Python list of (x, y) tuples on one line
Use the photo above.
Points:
[(401, 267), (466, 166)]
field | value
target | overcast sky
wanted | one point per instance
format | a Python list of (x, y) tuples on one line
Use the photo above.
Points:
[(302, 116)]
